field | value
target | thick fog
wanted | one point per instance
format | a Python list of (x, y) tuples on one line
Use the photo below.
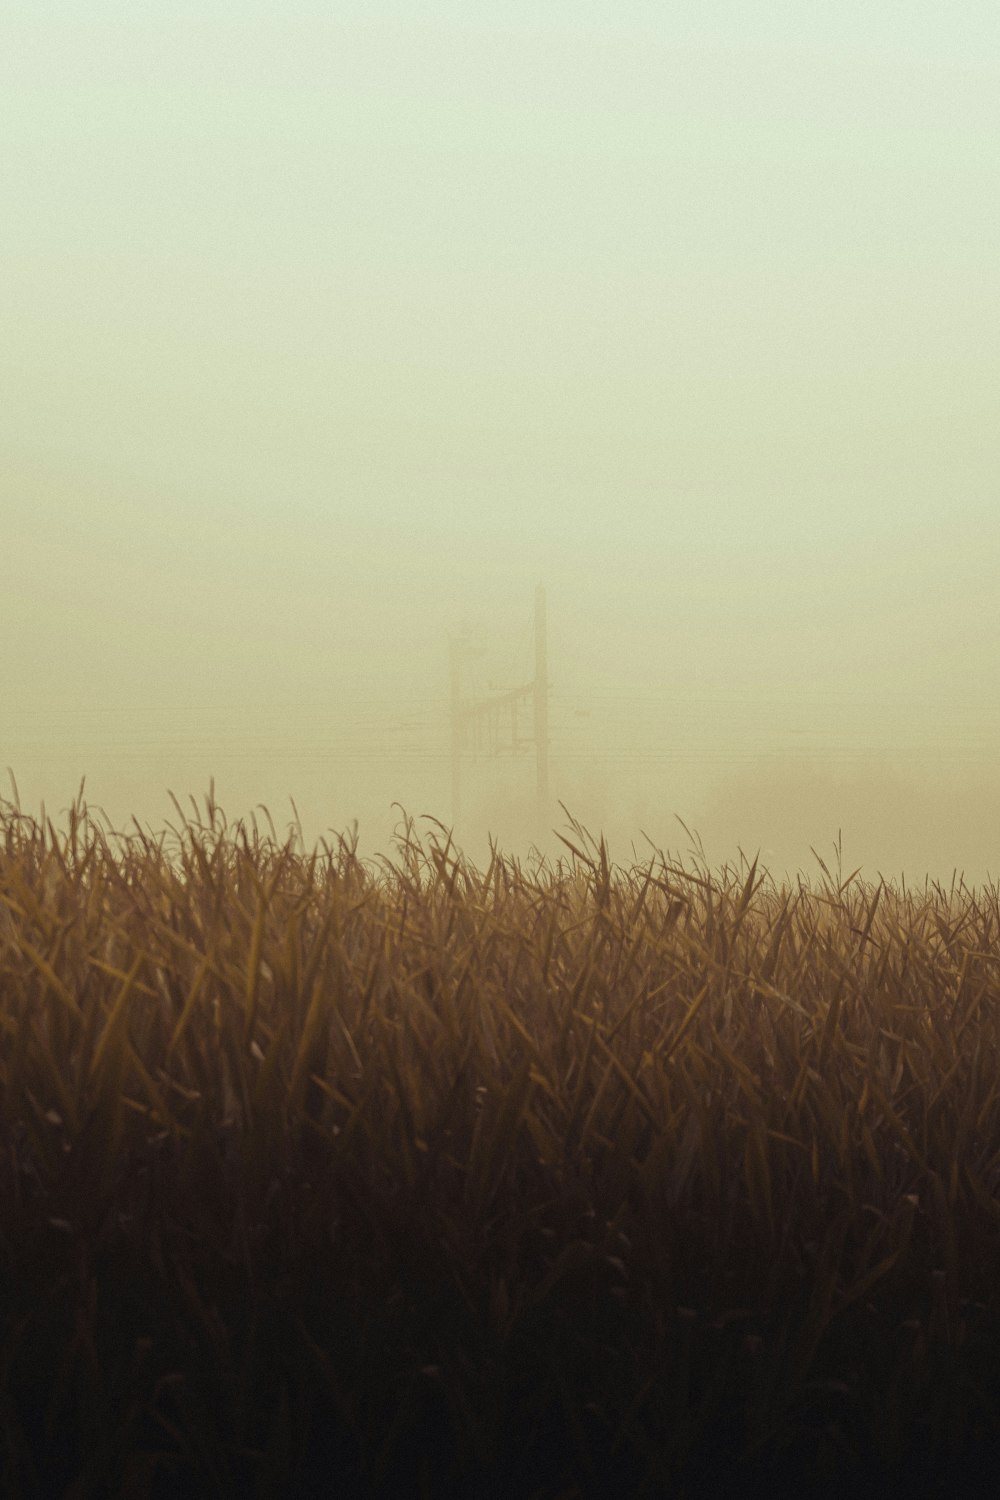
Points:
[(329, 334)]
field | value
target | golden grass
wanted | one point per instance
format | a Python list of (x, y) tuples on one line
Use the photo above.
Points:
[(699, 1150)]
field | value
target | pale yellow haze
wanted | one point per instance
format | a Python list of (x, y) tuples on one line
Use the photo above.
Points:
[(327, 331)]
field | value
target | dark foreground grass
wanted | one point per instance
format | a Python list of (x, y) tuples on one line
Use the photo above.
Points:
[(323, 1177)]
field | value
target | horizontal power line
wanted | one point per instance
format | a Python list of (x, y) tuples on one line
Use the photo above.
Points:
[(671, 698), (638, 755), (579, 722)]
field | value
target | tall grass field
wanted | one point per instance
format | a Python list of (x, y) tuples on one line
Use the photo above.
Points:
[(331, 1177)]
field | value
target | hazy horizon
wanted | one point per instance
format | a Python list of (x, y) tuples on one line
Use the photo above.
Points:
[(332, 332)]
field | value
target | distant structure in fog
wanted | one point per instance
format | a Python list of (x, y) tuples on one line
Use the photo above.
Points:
[(481, 719)]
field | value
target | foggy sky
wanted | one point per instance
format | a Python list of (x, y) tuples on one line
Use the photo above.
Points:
[(327, 330)]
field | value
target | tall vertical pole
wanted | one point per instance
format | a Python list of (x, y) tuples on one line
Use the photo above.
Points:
[(456, 729), (541, 705)]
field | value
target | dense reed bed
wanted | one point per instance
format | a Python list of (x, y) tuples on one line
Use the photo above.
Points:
[(323, 1176)]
